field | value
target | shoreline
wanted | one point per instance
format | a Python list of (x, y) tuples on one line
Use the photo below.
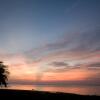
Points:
[(11, 93)]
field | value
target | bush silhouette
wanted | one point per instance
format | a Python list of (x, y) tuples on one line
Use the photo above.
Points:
[(3, 74)]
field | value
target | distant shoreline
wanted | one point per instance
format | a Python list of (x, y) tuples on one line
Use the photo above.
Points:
[(82, 90)]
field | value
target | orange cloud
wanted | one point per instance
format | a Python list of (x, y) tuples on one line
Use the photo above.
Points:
[(72, 75)]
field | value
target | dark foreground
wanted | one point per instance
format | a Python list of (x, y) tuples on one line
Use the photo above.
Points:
[(40, 95)]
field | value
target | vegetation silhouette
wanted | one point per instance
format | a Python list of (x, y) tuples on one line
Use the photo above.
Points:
[(3, 74)]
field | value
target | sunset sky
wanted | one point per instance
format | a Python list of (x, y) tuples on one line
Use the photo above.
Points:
[(51, 40)]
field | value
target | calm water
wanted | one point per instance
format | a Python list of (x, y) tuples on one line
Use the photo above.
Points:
[(90, 90)]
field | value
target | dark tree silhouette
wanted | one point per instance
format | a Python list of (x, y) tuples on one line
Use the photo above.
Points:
[(3, 74)]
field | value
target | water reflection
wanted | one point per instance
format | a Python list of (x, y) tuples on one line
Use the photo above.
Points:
[(90, 90)]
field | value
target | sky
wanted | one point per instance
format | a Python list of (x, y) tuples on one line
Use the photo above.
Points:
[(51, 41)]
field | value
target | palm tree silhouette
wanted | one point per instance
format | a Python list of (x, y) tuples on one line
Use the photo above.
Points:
[(3, 74)]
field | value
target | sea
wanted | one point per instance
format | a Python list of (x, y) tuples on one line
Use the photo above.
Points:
[(76, 89)]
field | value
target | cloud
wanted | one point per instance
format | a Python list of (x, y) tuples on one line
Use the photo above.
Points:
[(58, 64), (88, 41), (73, 51), (96, 65), (59, 67), (65, 67), (85, 44)]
